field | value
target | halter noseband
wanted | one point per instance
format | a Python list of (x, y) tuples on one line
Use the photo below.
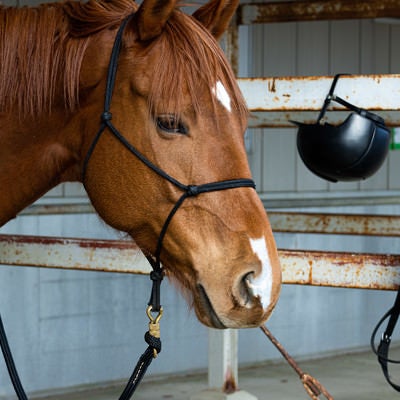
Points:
[(188, 190)]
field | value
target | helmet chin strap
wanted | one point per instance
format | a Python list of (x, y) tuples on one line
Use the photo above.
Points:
[(328, 98), (332, 97)]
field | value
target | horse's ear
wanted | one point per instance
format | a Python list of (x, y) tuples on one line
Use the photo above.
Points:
[(152, 16), (216, 15)]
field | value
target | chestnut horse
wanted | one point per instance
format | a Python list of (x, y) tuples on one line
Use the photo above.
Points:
[(176, 100)]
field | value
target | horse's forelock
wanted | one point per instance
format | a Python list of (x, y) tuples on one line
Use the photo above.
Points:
[(191, 59)]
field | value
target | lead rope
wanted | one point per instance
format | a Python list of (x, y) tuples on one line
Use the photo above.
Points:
[(12, 371), (311, 385), (152, 337), (382, 351)]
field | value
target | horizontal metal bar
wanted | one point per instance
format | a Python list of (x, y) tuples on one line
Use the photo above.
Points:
[(346, 270), (350, 224), (373, 271), (313, 10), (81, 254), (308, 93), (276, 101), (56, 209)]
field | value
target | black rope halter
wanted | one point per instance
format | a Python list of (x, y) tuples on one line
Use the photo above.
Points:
[(188, 190)]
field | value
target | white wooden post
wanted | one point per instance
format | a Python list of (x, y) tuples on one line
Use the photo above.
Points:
[(223, 368)]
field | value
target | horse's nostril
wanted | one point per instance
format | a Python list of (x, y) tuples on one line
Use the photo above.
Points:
[(246, 291)]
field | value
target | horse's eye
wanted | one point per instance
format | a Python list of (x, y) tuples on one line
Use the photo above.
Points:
[(171, 124)]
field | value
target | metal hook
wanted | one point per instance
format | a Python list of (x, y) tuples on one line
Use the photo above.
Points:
[(153, 320)]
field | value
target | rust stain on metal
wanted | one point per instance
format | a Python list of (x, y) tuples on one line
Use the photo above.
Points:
[(230, 385), (84, 243), (108, 244), (286, 11), (272, 85)]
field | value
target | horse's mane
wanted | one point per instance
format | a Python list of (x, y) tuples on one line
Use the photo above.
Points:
[(42, 49)]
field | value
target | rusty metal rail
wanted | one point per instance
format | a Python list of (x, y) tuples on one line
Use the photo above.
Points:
[(69, 253), (316, 10), (347, 270), (275, 101), (342, 224), (83, 207)]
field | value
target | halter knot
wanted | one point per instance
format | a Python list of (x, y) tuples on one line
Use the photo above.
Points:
[(192, 190), (106, 116), (153, 342), (157, 275)]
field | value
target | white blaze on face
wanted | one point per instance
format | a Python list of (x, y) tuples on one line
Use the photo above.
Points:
[(262, 285), (222, 95)]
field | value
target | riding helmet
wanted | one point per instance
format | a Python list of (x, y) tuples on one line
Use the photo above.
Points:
[(350, 151)]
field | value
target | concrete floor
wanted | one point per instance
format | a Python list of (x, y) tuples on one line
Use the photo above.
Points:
[(346, 377)]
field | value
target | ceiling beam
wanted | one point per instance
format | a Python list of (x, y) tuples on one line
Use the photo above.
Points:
[(285, 11)]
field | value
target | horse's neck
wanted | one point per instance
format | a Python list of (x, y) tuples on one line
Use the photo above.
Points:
[(38, 154), (33, 160)]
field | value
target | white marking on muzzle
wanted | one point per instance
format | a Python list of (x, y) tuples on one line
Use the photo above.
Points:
[(262, 285), (222, 95)]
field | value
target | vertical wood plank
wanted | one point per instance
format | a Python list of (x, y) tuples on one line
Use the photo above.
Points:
[(313, 48), (279, 164), (381, 49), (367, 48), (255, 54), (73, 189), (255, 155)]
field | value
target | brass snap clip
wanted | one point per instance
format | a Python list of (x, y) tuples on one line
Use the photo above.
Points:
[(154, 324)]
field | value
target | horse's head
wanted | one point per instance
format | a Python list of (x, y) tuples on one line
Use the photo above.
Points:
[(177, 101)]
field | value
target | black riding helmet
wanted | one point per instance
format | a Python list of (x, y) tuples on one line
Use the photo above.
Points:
[(350, 151)]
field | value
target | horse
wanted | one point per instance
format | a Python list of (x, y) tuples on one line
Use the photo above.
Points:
[(175, 98)]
